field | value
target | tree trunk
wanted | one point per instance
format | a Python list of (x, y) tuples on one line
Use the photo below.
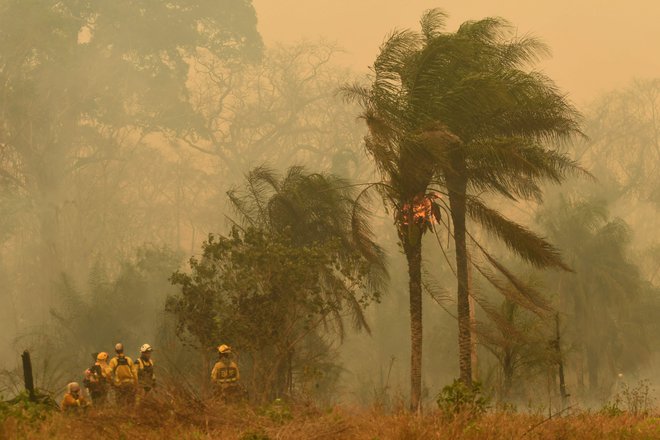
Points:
[(48, 176), (204, 372), (592, 370), (560, 365), (508, 370), (457, 188), (581, 330), (27, 374), (413, 250), (473, 325)]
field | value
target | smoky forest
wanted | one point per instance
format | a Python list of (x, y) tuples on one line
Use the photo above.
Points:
[(274, 219)]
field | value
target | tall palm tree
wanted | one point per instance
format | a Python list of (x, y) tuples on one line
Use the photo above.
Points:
[(458, 113)]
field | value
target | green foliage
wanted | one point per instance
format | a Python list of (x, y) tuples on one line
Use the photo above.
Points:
[(309, 208), (278, 411), (282, 286), (115, 73), (613, 407), (465, 115), (264, 295), (459, 398), (26, 411)]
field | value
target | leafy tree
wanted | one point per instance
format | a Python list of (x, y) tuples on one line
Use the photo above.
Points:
[(92, 80), (265, 296), (303, 262), (311, 208), (461, 112)]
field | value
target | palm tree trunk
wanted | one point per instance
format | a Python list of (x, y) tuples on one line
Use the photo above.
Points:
[(413, 249), (473, 326), (457, 187)]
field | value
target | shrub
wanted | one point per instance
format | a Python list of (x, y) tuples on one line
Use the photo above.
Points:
[(278, 411), (25, 411), (459, 398)]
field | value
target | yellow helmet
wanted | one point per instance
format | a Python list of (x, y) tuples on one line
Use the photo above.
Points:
[(102, 356), (224, 349)]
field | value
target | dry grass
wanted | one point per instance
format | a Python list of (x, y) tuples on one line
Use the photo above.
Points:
[(197, 420)]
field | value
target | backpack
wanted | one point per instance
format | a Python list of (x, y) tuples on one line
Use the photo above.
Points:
[(122, 370)]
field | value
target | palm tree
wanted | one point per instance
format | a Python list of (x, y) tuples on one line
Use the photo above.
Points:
[(602, 294), (459, 114), (315, 208)]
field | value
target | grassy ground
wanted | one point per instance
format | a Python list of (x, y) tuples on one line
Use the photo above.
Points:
[(196, 420)]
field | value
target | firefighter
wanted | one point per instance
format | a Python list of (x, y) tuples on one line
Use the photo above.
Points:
[(98, 379), (73, 400), (144, 370), (124, 379), (225, 375)]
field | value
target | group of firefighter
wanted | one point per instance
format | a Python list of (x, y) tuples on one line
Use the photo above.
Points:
[(134, 381)]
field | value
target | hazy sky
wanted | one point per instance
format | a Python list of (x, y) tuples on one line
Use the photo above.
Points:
[(596, 45)]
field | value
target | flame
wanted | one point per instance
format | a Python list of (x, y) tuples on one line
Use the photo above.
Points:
[(422, 209)]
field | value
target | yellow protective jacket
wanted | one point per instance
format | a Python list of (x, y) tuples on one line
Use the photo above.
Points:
[(72, 403), (123, 370), (98, 377), (225, 373), (106, 370), (144, 371)]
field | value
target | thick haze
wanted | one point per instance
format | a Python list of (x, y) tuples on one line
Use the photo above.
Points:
[(121, 139), (596, 45)]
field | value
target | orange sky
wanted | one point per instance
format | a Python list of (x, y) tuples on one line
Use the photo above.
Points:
[(596, 45)]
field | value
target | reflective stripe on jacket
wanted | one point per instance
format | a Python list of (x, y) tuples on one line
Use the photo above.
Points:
[(225, 372)]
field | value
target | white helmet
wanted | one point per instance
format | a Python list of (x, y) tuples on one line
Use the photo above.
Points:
[(146, 348)]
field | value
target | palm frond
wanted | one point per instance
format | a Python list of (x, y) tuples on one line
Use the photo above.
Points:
[(433, 22), (515, 167), (512, 293), (242, 207), (523, 50), (394, 53), (504, 326), (528, 291), (528, 245), (355, 93), (488, 31)]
